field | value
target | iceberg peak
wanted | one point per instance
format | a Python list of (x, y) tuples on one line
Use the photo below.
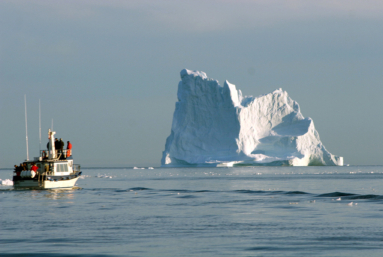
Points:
[(215, 125), (186, 72), (235, 95)]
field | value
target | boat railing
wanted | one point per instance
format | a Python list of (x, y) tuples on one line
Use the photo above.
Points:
[(64, 153)]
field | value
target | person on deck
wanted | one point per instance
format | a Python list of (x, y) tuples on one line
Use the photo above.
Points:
[(61, 144), (34, 167), (69, 149), (18, 170), (57, 146)]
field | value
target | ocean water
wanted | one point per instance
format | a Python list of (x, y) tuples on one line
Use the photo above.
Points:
[(247, 211)]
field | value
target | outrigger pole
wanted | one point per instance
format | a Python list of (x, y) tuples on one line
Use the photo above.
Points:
[(26, 126)]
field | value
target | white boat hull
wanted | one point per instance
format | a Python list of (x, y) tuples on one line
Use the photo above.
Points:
[(47, 184)]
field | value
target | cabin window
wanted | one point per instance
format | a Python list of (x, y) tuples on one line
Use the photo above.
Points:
[(62, 167)]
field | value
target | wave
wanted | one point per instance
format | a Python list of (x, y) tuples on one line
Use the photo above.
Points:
[(271, 192), (361, 197), (349, 196), (342, 195), (296, 193), (138, 188), (251, 191), (335, 194)]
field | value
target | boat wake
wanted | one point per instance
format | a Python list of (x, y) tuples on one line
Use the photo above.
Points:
[(6, 182)]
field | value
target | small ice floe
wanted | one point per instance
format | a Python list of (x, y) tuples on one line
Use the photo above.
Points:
[(151, 168), (85, 176), (350, 204), (293, 203), (6, 182), (312, 201), (339, 199), (103, 176), (136, 168)]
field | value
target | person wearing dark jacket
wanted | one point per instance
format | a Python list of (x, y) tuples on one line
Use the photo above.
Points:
[(18, 170), (57, 144), (62, 144)]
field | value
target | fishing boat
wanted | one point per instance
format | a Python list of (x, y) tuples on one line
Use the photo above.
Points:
[(52, 169)]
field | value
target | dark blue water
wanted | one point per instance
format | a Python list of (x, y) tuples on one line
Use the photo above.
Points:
[(250, 211)]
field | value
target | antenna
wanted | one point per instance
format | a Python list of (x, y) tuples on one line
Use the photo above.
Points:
[(26, 125), (52, 125), (40, 124)]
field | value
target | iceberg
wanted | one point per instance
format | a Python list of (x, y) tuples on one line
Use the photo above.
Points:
[(216, 125)]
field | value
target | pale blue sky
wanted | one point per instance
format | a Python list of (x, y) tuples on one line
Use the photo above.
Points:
[(107, 71)]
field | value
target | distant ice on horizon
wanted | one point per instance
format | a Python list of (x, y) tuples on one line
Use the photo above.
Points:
[(215, 125)]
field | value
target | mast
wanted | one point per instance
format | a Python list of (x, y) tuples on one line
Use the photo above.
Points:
[(40, 124), (26, 125)]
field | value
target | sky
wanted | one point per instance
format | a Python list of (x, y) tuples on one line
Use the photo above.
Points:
[(106, 71)]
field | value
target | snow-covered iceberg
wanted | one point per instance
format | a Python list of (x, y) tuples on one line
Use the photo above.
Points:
[(215, 125)]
